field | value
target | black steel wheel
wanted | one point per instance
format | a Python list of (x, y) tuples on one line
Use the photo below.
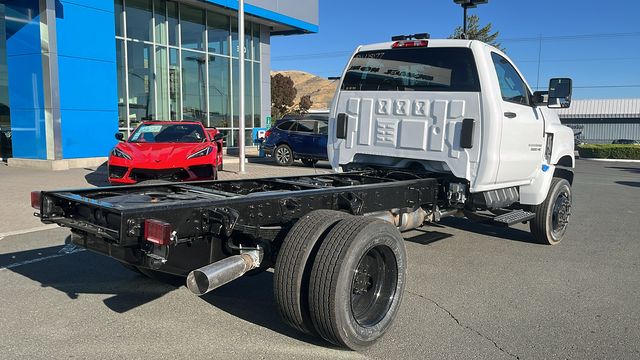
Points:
[(357, 282), (373, 286), (283, 155), (293, 266), (309, 162), (552, 216)]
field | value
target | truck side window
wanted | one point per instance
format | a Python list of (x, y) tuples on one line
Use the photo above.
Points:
[(512, 86)]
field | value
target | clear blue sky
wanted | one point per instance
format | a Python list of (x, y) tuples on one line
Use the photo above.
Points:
[(597, 43)]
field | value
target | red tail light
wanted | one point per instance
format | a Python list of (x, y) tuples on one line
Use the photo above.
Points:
[(157, 232), (36, 197), (409, 43), (266, 134)]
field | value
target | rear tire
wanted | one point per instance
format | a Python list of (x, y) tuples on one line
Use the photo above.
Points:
[(293, 267), (283, 155), (357, 282), (552, 216)]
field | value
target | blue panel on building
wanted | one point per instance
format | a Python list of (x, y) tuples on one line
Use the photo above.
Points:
[(29, 139), (87, 78), (86, 32), (88, 133), (24, 65)]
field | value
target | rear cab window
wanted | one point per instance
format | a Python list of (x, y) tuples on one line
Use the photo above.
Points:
[(413, 69)]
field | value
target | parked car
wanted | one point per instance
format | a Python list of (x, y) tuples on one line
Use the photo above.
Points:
[(303, 137), (626, 142), (166, 150)]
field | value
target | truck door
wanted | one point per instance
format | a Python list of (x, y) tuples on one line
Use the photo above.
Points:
[(521, 150)]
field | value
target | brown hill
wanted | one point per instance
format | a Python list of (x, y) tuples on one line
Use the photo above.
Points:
[(320, 89)]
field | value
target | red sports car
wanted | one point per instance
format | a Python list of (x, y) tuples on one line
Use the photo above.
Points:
[(166, 150)]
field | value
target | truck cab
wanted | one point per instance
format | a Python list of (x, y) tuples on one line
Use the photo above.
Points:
[(451, 106)]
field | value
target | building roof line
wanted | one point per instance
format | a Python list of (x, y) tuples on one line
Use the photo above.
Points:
[(602, 109)]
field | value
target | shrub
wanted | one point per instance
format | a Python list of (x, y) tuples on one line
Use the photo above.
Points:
[(609, 151)]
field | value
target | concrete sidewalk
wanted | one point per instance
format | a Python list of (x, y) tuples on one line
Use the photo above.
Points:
[(16, 184)]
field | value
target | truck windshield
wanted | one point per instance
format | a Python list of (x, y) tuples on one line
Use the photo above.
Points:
[(168, 133), (412, 69)]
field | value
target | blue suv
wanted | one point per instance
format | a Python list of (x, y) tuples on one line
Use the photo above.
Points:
[(302, 137)]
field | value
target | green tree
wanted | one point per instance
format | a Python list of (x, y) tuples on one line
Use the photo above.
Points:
[(475, 32), (283, 93)]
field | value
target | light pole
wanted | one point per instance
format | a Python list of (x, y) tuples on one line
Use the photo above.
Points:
[(242, 90), (466, 4)]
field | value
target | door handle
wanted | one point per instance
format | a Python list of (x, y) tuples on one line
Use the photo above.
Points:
[(510, 114)]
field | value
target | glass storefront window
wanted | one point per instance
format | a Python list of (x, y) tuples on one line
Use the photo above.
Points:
[(160, 9), (218, 33), (257, 110), (248, 140), (122, 94), (193, 86), (162, 83), (173, 74), (174, 84), (219, 114), (192, 27), (172, 23), (117, 7), (256, 42), (139, 19), (234, 39), (248, 90), (141, 76)]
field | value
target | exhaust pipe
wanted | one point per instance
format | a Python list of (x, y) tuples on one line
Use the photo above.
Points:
[(212, 276)]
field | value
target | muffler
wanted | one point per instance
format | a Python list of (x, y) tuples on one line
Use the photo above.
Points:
[(403, 221), (212, 276)]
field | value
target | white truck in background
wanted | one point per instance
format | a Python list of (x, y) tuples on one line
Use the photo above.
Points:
[(460, 109)]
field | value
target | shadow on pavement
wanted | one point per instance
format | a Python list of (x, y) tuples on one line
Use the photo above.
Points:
[(423, 236), (251, 298), (629, 183), (83, 272), (635, 170), (98, 177), (506, 233)]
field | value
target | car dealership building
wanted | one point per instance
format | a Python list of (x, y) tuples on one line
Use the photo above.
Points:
[(74, 72)]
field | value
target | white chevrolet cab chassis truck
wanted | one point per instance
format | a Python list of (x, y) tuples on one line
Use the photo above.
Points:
[(462, 111), (419, 129)]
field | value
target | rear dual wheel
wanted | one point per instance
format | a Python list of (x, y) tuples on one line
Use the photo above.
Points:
[(355, 284)]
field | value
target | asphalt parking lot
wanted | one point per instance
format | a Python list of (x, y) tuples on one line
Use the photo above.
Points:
[(473, 292)]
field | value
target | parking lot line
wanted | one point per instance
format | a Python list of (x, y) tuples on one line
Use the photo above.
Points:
[(27, 231)]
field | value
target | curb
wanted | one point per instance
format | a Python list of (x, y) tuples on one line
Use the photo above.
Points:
[(612, 160)]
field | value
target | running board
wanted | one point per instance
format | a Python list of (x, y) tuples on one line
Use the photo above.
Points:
[(513, 217)]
